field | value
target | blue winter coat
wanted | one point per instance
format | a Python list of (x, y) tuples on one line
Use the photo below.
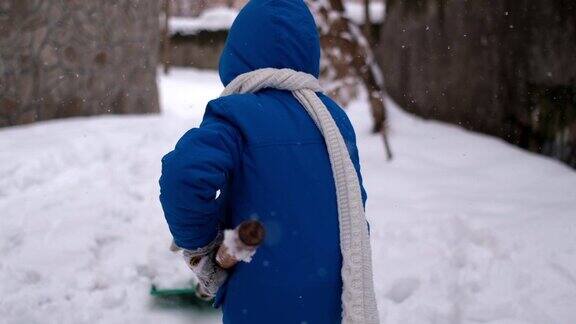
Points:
[(269, 161)]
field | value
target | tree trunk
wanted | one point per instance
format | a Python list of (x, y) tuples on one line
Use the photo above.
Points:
[(166, 37), (55, 63)]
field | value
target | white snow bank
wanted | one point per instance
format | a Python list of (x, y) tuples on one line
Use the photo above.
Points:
[(213, 19), (355, 12), (82, 234), (465, 228)]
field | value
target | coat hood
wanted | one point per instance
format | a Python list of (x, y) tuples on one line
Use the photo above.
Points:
[(271, 34)]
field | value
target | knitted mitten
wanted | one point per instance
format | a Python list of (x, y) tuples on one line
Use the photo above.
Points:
[(202, 262)]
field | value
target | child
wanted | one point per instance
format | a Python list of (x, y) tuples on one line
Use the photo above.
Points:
[(274, 148)]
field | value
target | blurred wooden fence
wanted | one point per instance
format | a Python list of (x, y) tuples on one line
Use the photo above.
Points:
[(501, 67)]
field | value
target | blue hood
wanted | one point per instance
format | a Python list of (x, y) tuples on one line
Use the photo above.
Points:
[(271, 34)]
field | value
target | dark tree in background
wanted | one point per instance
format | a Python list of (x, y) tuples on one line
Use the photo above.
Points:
[(73, 58), (503, 67)]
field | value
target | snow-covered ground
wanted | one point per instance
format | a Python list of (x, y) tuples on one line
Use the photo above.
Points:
[(465, 228)]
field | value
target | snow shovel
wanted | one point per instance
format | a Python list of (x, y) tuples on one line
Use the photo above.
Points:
[(239, 244)]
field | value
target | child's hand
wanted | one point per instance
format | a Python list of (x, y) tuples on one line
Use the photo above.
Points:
[(202, 262)]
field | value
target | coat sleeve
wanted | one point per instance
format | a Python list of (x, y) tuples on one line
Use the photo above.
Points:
[(200, 165)]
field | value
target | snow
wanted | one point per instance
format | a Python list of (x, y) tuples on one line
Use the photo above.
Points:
[(212, 19), (235, 248), (465, 227), (221, 18), (355, 12)]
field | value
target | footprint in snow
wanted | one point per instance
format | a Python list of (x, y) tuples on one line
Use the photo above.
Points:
[(402, 289)]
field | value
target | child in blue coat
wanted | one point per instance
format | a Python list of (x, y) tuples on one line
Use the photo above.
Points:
[(261, 156)]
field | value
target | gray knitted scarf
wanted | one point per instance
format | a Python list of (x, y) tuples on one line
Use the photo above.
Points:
[(358, 297)]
